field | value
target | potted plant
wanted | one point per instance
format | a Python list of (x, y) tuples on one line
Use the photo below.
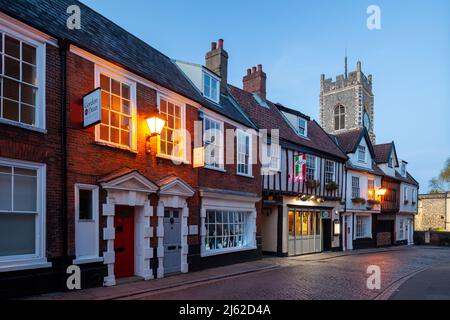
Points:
[(312, 184), (331, 186), (359, 200), (372, 202)]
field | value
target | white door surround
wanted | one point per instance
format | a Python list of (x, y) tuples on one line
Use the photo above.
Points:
[(129, 188), (347, 232), (173, 194)]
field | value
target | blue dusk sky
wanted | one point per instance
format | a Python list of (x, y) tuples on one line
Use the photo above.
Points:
[(297, 41)]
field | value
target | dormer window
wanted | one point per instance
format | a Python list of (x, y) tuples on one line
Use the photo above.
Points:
[(210, 87), (391, 162), (403, 169), (362, 154), (302, 127)]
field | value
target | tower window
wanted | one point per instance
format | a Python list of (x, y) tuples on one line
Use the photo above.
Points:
[(339, 118)]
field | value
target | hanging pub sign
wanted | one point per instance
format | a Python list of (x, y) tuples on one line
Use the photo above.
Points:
[(92, 108), (300, 167)]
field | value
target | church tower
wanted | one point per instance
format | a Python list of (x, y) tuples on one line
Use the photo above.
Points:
[(347, 103)]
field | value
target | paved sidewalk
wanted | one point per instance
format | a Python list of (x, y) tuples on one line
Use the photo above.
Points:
[(136, 286)]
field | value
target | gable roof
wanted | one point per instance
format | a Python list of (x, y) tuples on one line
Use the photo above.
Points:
[(292, 111), (384, 151), (107, 40), (408, 179), (350, 140), (271, 118)]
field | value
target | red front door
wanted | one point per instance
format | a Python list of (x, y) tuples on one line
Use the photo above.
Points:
[(124, 242)]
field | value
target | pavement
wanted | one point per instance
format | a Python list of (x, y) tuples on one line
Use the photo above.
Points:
[(333, 275)]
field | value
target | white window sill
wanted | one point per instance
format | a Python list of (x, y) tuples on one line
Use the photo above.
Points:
[(225, 251), (115, 146), (164, 156), (8, 266), (245, 175), (23, 126), (87, 260), (215, 169)]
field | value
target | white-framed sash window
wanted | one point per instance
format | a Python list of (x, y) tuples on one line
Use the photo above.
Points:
[(118, 127), (211, 87), (310, 167), (362, 154), (22, 80), (330, 171), (244, 153), (355, 188), (213, 136), (86, 223), (22, 213)]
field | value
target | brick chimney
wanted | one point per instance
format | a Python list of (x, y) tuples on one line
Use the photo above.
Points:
[(217, 61), (255, 81)]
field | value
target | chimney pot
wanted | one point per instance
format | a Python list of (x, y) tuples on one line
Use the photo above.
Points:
[(220, 43), (255, 81), (253, 69), (249, 71), (259, 67), (213, 46)]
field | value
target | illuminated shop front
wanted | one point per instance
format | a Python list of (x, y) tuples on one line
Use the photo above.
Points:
[(305, 231)]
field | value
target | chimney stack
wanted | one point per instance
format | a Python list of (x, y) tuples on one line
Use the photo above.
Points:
[(216, 60), (255, 81)]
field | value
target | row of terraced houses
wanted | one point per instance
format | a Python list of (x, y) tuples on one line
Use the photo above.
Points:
[(181, 171)]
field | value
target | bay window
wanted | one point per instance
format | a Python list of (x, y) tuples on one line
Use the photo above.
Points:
[(22, 75), (213, 139), (363, 226), (22, 215), (244, 153), (226, 230), (171, 139)]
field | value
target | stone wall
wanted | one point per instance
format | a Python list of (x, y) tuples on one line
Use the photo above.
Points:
[(434, 212)]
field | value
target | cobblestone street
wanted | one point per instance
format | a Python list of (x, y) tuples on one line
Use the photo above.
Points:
[(315, 277)]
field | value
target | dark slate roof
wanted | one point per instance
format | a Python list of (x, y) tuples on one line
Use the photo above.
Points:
[(408, 179), (350, 140), (382, 152), (375, 169), (107, 40), (292, 111), (271, 118)]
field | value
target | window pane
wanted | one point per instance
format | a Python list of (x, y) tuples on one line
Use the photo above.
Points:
[(28, 95), (106, 100), (6, 190), (115, 119), (10, 110), (28, 74), (125, 91), (115, 87), (115, 103), (11, 89), (27, 114), (115, 135), (28, 53), (12, 47), (105, 83), (25, 193), (126, 107), (12, 68), (17, 234), (85, 205), (104, 133), (125, 138)]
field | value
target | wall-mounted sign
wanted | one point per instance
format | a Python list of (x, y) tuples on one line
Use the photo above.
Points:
[(300, 167), (325, 215), (336, 227), (92, 108)]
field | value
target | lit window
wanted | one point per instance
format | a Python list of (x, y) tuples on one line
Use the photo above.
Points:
[(355, 188), (329, 171), (213, 139), (171, 138), (371, 189), (21, 212), (226, 230), (210, 87), (339, 118), (362, 154), (20, 72), (302, 127), (310, 167), (363, 227), (117, 123), (244, 165)]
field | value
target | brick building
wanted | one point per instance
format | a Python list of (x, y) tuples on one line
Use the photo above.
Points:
[(434, 212)]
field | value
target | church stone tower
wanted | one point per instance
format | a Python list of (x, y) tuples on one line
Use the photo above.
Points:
[(347, 103)]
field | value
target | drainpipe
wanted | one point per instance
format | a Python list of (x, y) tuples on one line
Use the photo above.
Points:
[(63, 45)]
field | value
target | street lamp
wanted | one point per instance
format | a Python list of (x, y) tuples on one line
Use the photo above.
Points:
[(381, 192), (155, 125)]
